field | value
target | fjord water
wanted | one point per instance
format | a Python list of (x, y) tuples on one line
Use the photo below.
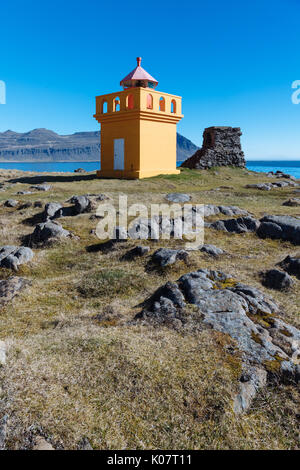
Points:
[(287, 166)]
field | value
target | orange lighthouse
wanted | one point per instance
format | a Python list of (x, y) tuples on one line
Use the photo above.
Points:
[(138, 128)]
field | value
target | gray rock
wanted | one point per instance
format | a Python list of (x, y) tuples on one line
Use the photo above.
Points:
[(293, 202), (166, 256), (10, 262), (47, 232), (10, 287), (269, 186), (211, 209), (239, 225), (193, 285), (164, 303), (178, 197), (12, 256), (269, 347), (282, 227), (290, 264), (252, 379), (232, 210), (81, 204), (212, 250), (99, 197), (261, 186), (52, 210), (24, 192), (24, 254), (5, 251), (282, 184), (280, 174), (11, 203), (41, 187), (276, 279), (255, 299)]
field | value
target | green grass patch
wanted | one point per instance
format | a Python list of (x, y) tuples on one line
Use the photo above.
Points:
[(109, 282)]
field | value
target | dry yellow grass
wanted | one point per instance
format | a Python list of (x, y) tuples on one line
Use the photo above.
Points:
[(76, 367)]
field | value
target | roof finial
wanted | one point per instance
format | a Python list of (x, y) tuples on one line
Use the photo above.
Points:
[(139, 60)]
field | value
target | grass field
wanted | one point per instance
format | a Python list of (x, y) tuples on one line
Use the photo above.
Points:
[(76, 365)]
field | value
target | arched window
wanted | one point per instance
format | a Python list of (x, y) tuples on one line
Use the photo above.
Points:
[(173, 106), (129, 101), (149, 101), (162, 104), (104, 106), (116, 104)]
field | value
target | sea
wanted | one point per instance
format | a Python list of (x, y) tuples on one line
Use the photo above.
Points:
[(291, 167)]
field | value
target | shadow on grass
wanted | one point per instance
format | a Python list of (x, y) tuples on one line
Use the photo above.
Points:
[(38, 179), (105, 247)]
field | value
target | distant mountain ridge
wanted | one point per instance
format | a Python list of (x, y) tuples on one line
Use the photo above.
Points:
[(48, 146)]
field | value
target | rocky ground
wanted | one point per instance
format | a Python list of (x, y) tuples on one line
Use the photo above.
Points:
[(143, 344)]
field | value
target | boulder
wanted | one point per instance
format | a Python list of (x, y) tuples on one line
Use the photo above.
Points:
[(99, 197), (281, 174), (166, 256), (252, 379), (232, 210), (269, 186), (12, 256), (52, 210), (81, 204), (291, 264), (212, 250), (178, 197), (10, 262), (11, 203), (239, 225), (41, 187), (276, 279), (261, 186), (269, 346), (211, 209), (282, 227), (47, 232)]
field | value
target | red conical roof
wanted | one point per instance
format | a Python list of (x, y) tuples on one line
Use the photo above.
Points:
[(138, 74)]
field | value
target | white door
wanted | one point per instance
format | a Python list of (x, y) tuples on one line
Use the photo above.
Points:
[(118, 154)]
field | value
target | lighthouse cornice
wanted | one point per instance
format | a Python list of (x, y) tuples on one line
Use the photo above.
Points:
[(138, 114)]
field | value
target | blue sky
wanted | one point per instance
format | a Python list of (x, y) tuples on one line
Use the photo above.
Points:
[(232, 62)]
